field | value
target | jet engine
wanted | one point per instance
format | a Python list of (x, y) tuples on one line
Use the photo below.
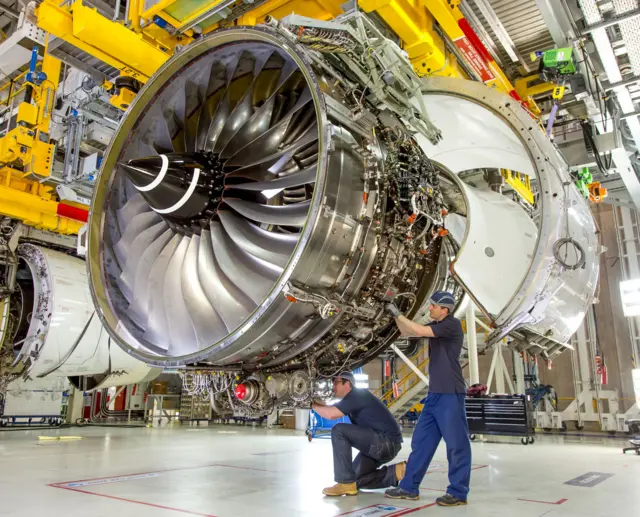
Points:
[(272, 188), (50, 328)]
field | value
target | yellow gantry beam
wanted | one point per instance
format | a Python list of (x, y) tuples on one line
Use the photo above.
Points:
[(413, 23), (100, 37), (32, 203)]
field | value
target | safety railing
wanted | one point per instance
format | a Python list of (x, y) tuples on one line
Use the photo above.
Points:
[(390, 391), (15, 88)]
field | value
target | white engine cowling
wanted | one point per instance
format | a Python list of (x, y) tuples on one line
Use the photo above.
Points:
[(57, 333)]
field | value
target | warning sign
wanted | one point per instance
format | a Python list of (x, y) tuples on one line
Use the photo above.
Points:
[(376, 510), (474, 58)]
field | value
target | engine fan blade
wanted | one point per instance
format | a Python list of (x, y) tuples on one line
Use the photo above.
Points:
[(243, 158), (208, 325), (181, 333), (157, 328), (291, 215), (139, 306), (254, 277), (269, 142), (231, 303), (292, 180), (137, 225), (272, 247), (141, 243), (135, 205)]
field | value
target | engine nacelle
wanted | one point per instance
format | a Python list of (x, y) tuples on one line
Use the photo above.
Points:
[(51, 329), (271, 189)]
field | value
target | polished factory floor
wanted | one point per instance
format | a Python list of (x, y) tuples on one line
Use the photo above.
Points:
[(228, 471)]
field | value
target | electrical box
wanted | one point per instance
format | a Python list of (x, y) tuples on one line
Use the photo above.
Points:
[(559, 61)]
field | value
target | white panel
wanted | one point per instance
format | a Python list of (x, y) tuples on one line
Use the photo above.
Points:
[(563, 304), (472, 137), (457, 226), (497, 249), (75, 342), (542, 295), (41, 397)]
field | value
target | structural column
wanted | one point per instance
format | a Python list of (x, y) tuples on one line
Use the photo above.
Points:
[(472, 344)]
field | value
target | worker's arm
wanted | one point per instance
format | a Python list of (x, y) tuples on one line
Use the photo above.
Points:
[(328, 412), (411, 328)]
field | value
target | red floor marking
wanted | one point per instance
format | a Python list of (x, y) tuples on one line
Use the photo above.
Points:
[(544, 502), (479, 467), (189, 512), (157, 472)]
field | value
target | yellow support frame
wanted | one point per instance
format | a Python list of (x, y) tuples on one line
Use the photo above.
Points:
[(110, 42), (519, 182), (413, 23), (32, 203)]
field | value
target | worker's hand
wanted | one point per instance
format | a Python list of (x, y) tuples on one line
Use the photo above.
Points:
[(393, 310)]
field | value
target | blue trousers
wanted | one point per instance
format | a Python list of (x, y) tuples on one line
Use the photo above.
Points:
[(443, 416), (375, 450)]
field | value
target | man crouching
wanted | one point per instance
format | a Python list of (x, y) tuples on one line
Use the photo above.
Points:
[(373, 431)]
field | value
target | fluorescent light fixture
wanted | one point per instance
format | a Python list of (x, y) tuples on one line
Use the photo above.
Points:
[(360, 376), (630, 296)]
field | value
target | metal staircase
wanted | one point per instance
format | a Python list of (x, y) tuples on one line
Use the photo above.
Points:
[(409, 390)]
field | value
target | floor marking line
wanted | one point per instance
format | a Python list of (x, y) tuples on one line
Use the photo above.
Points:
[(445, 469), (411, 510), (153, 505), (433, 489), (157, 472), (558, 502), (108, 481)]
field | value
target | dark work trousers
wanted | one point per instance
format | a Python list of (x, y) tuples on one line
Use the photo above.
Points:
[(375, 450), (443, 416)]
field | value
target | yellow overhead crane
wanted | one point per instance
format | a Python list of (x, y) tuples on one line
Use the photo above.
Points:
[(26, 154), (139, 44)]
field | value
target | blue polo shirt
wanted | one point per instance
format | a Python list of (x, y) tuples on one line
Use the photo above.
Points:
[(365, 409), (445, 372)]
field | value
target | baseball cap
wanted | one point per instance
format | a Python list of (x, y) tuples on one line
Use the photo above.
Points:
[(443, 299), (347, 376)]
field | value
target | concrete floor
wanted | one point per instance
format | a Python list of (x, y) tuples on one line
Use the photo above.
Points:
[(227, 471)]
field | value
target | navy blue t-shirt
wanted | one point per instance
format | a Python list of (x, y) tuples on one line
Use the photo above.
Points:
[(366, 410), (445, 372)]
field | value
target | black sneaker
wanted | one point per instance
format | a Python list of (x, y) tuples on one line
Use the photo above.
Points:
[(450, 500), (399, 493)]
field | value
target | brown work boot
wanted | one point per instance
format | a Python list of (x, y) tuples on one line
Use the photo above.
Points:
[(401, 470), (341, 489)]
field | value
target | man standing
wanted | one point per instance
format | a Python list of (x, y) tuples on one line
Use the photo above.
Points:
[(443, 415), (373, 431)]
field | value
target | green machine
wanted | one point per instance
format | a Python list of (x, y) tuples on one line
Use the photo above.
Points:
[(555, 63), (583, 179)]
